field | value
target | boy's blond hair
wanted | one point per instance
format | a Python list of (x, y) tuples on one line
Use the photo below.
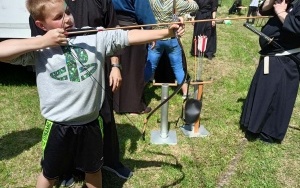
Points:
[(36, 8)]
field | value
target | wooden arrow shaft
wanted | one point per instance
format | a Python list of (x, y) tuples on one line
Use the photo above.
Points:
[(162, 24)]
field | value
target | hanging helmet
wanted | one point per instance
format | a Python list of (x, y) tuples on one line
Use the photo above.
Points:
[(192, 110)]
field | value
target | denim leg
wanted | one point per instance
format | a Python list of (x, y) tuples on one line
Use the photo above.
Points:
[(152, 60), (175, 55)]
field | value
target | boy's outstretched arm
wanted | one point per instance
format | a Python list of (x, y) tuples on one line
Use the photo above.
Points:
[(13, 48), (144, 36)]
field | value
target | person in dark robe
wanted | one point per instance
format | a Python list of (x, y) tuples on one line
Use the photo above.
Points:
[(235, 7), (96, 13), (270, 101), (212, 41), (129, 98), (207, 10), (252, 11)]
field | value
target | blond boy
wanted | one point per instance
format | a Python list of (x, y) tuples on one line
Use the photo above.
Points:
[(69, 74)]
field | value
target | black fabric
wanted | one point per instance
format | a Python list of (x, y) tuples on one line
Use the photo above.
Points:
[(270, 101), (111, 148), (234, 8), (96, 13), (70, 145), (286, 34), (164, 72), (129, 97), (252, 11), (205, 10), (93, 13)]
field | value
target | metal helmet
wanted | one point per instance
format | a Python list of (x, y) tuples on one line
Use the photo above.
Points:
[(192, 110)]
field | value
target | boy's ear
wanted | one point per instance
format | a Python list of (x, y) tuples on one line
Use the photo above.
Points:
[(40, 25)]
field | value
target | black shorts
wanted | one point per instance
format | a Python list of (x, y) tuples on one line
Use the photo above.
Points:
[(71, 146)]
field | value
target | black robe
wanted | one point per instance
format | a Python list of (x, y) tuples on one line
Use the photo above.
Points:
[(271, 97), (206, 8), (129, 98)]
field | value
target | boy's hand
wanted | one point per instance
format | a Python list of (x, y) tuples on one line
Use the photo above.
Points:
[(178, 28), (55, 37)]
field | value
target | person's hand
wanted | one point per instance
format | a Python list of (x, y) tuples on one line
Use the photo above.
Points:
[(152, 45), (280, 7), (115, 78), (55, 37), (180, 31), (179, 28), (213, 23)]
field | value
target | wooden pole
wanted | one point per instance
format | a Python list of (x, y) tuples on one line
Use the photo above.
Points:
[(199, 96)]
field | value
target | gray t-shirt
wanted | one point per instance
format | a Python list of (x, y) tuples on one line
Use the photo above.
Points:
[(70, 80)]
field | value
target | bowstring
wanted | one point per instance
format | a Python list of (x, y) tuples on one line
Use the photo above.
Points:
[(97, 81)]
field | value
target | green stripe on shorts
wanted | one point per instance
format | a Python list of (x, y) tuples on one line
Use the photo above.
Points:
[(101, 126), (46, 132)]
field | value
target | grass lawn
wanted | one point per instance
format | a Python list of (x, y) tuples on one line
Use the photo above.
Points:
[(222, 159)]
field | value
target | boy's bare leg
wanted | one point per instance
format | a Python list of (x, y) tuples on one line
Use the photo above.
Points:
[(93, 180), (43, 182)]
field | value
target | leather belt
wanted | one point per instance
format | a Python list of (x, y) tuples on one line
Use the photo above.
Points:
[(168, 38)]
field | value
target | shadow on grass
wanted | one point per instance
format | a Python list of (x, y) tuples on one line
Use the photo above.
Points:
[(241, 100), (130, 134), (16, 142), (16, 75)]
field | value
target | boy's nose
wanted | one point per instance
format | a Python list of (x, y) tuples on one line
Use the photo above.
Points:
[(67, 18)]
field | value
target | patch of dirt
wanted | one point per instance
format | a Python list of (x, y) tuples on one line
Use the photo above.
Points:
[(224, 179)]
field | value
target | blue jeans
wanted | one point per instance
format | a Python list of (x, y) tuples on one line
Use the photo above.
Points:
[(174, 52)]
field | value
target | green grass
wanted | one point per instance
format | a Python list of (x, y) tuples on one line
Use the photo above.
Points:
[(223, 159)]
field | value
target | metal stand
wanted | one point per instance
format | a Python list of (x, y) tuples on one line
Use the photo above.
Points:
[(164, 136), (188, 130), (196, 130)]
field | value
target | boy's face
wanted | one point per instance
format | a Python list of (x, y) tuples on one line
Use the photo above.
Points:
[(57, 15)]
